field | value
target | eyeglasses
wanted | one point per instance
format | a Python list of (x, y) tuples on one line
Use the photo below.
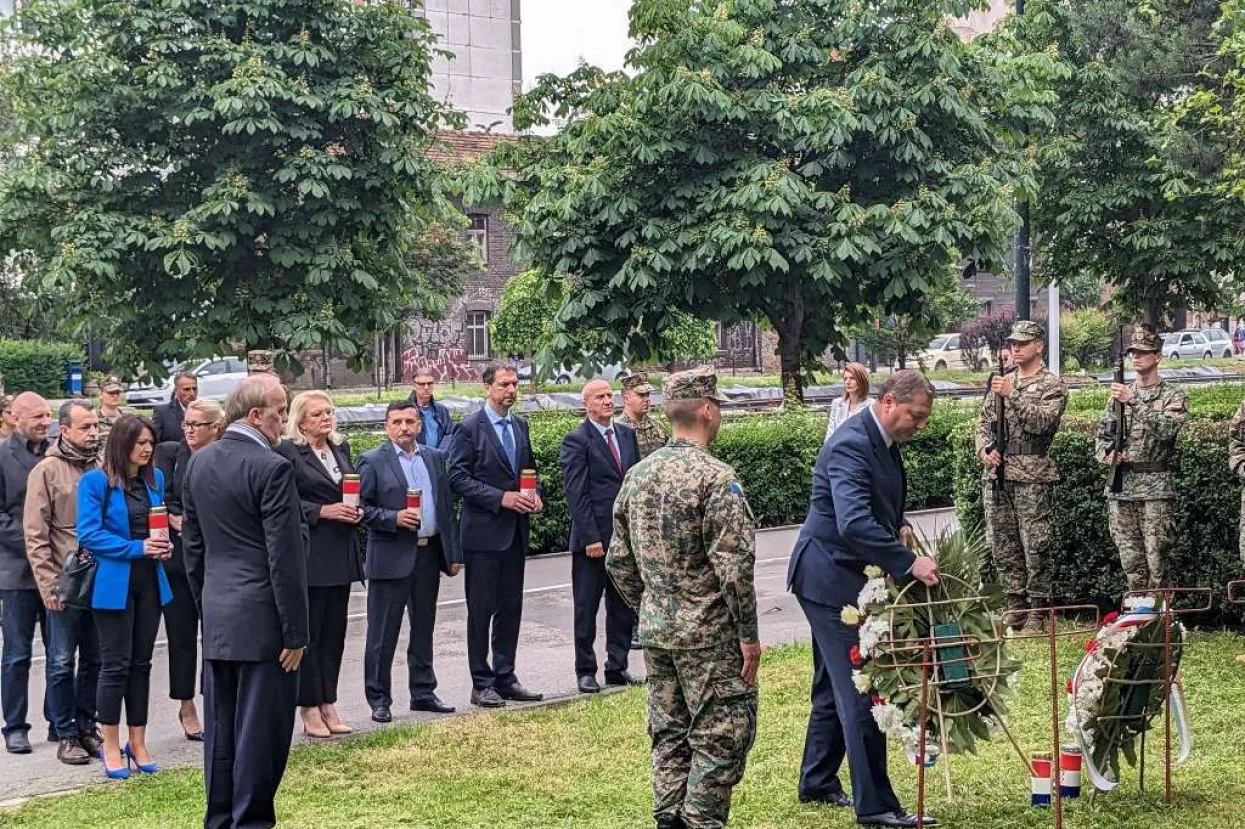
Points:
[(190, 424), (424, 382)]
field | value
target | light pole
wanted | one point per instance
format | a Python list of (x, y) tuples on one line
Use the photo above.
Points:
[(1022, 235)]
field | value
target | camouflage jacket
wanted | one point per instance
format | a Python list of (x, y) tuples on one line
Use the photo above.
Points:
[(683, 550), (106, 422), (1236, 445), (1153, 421), (1032, 413), (648, 432)]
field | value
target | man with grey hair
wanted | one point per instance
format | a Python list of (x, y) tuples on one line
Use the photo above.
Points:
[(20, 608), (245, 549), (856, 519), (51, 529)]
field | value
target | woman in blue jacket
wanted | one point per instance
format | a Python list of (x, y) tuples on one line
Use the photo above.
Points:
[(130, 586)]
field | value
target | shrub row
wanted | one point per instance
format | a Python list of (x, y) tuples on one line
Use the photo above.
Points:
[(32, 365)]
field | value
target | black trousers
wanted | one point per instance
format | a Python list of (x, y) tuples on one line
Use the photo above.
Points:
[(589, 582), (248, 725), (126, 640), (387, 601), (322, 663), (841, 722), (494, 611), (181, 625)]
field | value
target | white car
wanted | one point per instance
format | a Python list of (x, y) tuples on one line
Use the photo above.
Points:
[(1219, 341), (1190, 345), (217, 378), (943, 354)]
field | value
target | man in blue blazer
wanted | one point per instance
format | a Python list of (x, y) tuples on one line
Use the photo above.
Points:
[(407, 551), (489, 451), (438, 427), (856, 519), (595, 456)]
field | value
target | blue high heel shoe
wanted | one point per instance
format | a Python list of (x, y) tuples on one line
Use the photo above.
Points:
[(122, 773), (150, 768)]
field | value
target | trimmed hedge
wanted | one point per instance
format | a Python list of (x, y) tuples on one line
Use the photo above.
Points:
[(33, 365), (1086, 564), (773, 454)]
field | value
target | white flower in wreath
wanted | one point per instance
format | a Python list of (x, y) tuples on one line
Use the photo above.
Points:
[(890, 718), (863, 683), (872, 632), (850, 616), (874, 592)]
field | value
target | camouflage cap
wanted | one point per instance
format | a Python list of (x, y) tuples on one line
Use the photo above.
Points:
[(112, 383), (1145, 341), (694, 384), (638, 383), (1024, 331)]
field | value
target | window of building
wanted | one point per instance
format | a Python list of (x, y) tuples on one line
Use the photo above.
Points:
[(477, 234), (478, 346)]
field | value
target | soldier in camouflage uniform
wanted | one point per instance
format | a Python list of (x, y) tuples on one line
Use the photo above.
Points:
[(1142, 514), (111, 396), (1236, 463), (683, 554), (1018, 511), (636, 401)]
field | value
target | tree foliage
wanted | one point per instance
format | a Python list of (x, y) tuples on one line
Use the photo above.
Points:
[(1087, 334), (799, 163), (895, 339), (992, 330), (198, 176), (1129, 190)]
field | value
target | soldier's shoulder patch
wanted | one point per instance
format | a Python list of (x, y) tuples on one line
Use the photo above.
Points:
[(734, 487)]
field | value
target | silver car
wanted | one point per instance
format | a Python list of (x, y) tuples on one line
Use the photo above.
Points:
[(1219, 341), (1188, 345)]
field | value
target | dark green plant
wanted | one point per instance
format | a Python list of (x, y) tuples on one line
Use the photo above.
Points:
[(30, 365)]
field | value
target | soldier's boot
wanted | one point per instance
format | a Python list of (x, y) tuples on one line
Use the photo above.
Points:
[(675, 822), (1017, 612), (1035, 623)]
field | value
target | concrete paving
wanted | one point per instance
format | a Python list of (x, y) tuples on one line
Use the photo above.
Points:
[(545, 661)]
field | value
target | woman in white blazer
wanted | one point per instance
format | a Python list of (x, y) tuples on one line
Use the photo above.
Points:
[(855, 397)]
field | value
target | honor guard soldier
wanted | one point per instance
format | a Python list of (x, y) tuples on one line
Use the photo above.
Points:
[(637, 393)]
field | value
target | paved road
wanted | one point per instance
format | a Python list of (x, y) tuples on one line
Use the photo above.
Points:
[(545, 661)]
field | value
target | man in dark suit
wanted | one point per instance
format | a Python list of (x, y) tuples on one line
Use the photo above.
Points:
[(22, 609), (168, 418), (489, 451), (438, 427), (245, 548), (856, 519), (595, 456), (407, 551)]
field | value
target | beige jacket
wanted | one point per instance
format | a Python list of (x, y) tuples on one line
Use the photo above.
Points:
[(51, 517)]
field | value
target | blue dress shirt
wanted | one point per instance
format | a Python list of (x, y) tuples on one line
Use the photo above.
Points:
[(417, 477)]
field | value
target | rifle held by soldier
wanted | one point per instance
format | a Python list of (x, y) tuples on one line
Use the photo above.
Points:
[(1118, 429)]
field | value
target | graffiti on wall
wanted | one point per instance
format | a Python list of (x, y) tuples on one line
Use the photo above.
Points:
[(437, 347)]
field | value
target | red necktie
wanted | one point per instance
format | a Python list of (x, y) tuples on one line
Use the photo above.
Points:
[(609, 438)]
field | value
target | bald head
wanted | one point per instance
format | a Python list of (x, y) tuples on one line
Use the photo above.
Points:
[(599, 402), (33, 415)]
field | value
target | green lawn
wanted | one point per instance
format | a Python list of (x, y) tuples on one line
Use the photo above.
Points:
[(586, 765)]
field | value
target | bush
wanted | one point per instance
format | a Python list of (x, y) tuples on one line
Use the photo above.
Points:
[(773, 454), (1086, 566), (34, 365)]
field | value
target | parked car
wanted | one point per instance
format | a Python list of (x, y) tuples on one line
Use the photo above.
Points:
[(1219, 341), (943, 354), (217, 378), (1188, 345)]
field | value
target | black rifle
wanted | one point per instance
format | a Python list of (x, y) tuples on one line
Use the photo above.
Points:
[(998, 433), (1119, 434)]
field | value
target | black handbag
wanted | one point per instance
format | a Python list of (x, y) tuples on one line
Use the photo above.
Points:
[(76, 584)]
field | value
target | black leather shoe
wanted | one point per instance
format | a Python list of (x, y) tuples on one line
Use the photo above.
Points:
[(432, 704), (381, 713), (588, 685), (836, 799), (900, 818), (53, 737), (517, 693), (18, 742), (487, 698), (622, 678)]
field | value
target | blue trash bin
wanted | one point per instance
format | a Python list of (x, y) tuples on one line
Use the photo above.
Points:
[(73, 378)]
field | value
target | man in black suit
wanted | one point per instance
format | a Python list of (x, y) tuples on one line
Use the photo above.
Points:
[(245, 548), (489, 451), (856, 519), (595, 456), (168, 418), (407, 550)]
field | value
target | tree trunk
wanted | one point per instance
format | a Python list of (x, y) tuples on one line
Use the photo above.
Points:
[(1152, 312)]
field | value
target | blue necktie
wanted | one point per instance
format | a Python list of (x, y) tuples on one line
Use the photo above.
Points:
[(507, 443)]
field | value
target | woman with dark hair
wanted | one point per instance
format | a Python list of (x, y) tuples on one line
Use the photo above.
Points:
[(114, 507), (855, 397)]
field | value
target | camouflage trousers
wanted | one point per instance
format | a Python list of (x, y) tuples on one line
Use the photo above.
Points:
[(1018, 531), (1143, 532), (702, 720)]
